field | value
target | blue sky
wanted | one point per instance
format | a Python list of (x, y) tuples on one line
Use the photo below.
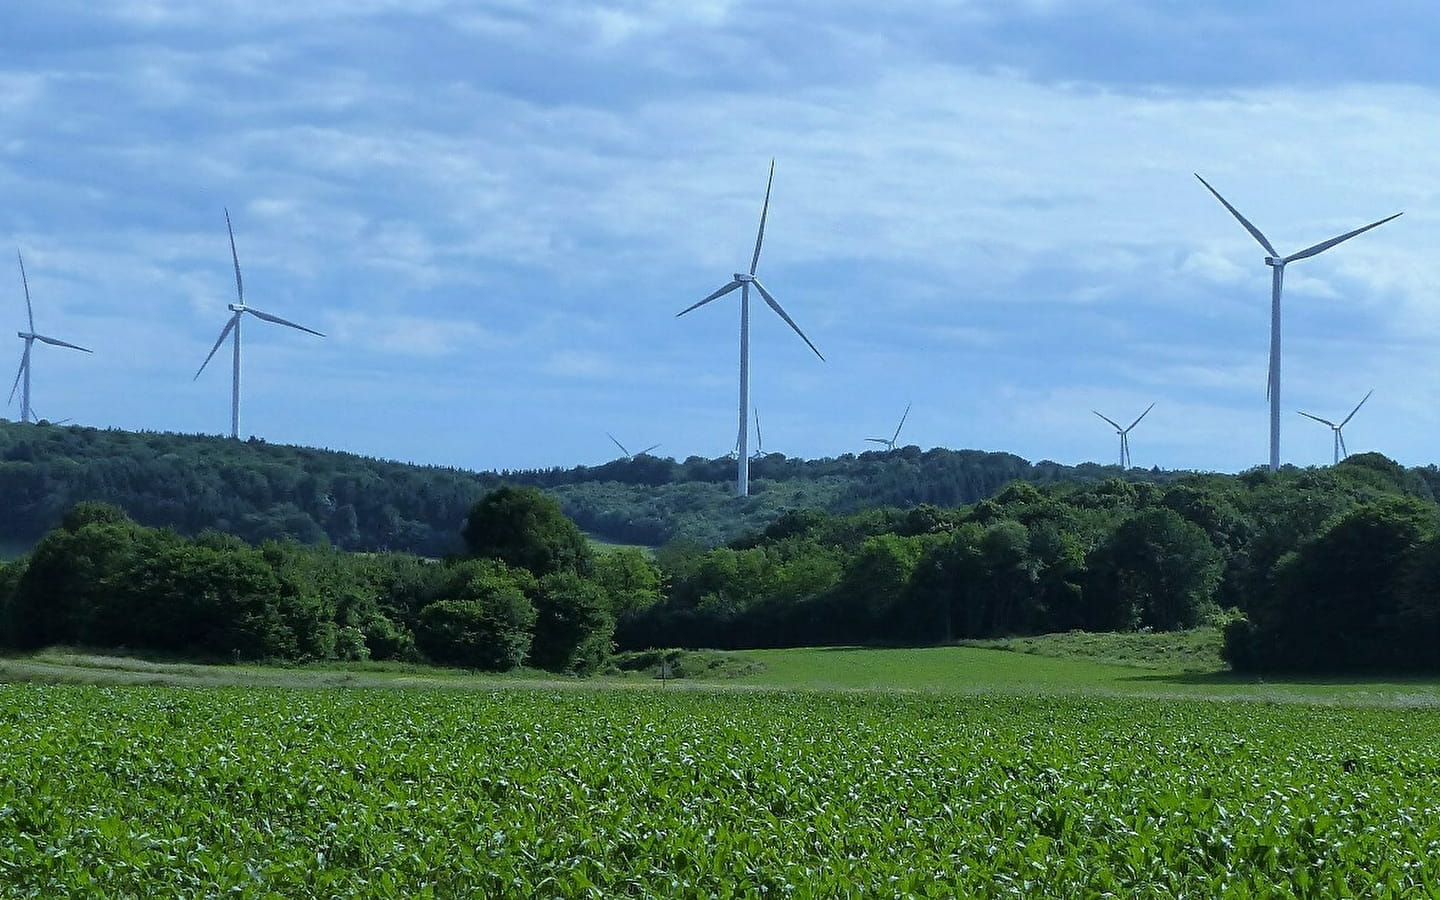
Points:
[(494, 210)]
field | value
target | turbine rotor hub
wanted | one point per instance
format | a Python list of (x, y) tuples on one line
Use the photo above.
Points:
[(744, 277), (237, 307), (1275, 261)]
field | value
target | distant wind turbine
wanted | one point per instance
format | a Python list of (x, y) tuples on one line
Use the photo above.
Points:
[(1340, 451), (890, 444), (1277, 264), (743, 281), (239, 309), (1124, 433), (27, 414), (628, 454)]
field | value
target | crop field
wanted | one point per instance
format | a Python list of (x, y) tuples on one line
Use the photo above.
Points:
[(255, 792)]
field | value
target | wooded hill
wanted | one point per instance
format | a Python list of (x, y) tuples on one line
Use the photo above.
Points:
[(258, 491)]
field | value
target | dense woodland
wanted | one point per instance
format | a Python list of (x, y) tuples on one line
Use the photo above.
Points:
[(259, 491), (1306, 570)]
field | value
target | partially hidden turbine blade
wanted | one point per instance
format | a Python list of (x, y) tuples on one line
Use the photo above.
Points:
[(1340, 436), (29, 311), (24, 361), (1356, 409), (1254, 232), (647, 449), (1317, 418), (279, 321), (782, 314), (1108, 419), (1326, 245), (224, 333), (1141, 416), (618, 444), (59, 343), (715, 296), (239, 285), (764, 210)]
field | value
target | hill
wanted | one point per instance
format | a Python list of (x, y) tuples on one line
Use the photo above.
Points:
[(258, 490)]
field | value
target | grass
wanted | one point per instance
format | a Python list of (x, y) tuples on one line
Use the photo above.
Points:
[(1196, 650)]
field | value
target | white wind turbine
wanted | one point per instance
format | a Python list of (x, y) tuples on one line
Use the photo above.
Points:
[(743, 281), (890, 444), (27, 413), (1124, 433), (628, 454), (240, 309), (1340, 451), (1277, 264)]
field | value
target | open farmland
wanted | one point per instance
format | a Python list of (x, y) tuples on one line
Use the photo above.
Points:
[(142, 791)]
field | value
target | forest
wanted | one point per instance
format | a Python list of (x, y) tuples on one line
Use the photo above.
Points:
[(1315, 570), (260, 491)]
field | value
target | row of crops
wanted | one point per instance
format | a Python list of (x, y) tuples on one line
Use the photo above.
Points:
[(649, 793)]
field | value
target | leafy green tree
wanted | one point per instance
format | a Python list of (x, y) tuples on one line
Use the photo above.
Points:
[(525, 529), (1157, 570), (630, 579), (574, 630), (484, 620)]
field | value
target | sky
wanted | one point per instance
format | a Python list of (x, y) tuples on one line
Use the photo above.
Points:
[(494, 211)]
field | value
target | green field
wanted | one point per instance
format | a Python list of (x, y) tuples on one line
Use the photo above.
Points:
[(941, 772)]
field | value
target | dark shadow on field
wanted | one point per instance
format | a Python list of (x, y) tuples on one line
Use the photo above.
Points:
[(1280, 679)]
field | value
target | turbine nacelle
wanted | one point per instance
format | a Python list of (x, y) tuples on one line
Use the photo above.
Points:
[(744, 278), (237, 307), (1275, 262)]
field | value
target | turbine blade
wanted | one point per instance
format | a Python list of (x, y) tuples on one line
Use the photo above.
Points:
[(224, 333), (1356, 409), (1326, 245), (24, 362), (279, 321), (788, 321), (715, 296), (764, 210), (618, 444), (1254, 232), (1141, 416), (647, 449), (1110, 420), (1317, 418), (759, 439), (29, 310), (59, 343), (906, 414), (239, 285), (878, 440), (1340, 435)]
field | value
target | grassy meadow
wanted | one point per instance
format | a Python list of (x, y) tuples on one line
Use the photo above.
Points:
[(1070, 765)]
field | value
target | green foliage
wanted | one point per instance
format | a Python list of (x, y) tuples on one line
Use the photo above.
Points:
[(1157, 570), (651, 793), (525, 529), (574, 626), (485, 620)]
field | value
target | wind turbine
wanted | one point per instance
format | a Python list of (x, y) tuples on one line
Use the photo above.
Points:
[(1340, 451), (1277, 264), (240, 309), (628, 454), (890, 444), (1124, 433), (27, 414), (744, 281)]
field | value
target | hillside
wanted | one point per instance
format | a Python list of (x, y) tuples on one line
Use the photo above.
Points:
[(258, 490)]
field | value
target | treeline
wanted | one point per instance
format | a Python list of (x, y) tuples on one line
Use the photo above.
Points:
[(526, 590), (1314, 570), (259, 491)]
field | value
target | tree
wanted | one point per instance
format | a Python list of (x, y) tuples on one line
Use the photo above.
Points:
[(524, 528), (483, 620), (1156, 570), (630, 579), (574, 630)]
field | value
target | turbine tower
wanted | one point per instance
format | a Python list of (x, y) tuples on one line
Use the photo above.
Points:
[(1340, 451), (27, 413), (1124, 433), (240, 309), (628, 454), (890, 444), (1277, 264), (744, 281)]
